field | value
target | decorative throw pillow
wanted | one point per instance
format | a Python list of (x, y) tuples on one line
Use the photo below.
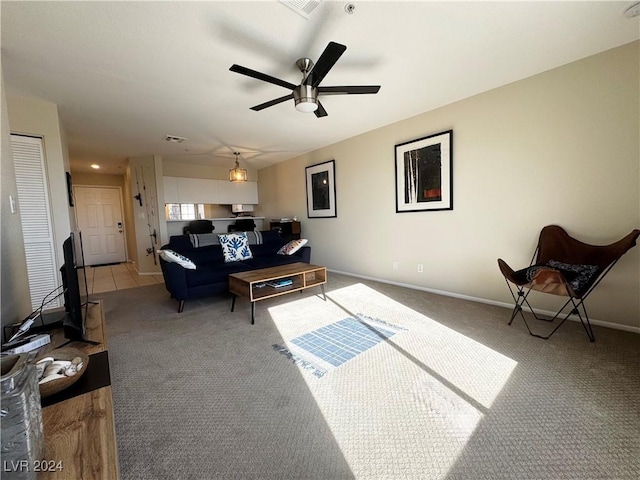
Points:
[(235, 247), (199, 240), (174, 257), (254, 238), (578, 276), (292, 247)]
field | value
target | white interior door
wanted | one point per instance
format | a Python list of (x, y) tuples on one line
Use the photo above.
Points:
[(99, 218)]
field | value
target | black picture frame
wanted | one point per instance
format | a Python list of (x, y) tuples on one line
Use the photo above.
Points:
[(424, 173), (69, 188), (321, 190)]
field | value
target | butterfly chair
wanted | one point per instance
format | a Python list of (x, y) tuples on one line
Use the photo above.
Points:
[(562, 265)]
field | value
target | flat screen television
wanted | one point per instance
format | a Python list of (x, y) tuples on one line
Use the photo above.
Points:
[(76, 299), (76, 292)]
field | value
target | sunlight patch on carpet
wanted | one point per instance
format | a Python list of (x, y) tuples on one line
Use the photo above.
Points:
[(332, 345), (425, 389)]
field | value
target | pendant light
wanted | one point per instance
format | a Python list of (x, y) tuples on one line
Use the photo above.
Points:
[(237, 174)]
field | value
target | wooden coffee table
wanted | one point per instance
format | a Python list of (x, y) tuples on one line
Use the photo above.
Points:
[(255, 285)]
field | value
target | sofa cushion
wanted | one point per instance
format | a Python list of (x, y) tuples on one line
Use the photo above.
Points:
[(262, 250), (272, 237), (173, 257), (292, 247), (206, 256), (235, 247), (180, 243), (270, 261), (215, 274)]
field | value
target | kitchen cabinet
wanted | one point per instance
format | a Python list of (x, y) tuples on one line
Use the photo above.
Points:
[(206, 190), (233, 193), (171, 194)]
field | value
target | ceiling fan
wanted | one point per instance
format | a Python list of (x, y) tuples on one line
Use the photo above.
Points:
[(306, 93)]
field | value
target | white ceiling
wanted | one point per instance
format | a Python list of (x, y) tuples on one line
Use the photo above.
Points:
[(126, 74)]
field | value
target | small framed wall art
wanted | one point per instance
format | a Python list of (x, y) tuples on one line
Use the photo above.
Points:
[(321, 190), (424, 174)]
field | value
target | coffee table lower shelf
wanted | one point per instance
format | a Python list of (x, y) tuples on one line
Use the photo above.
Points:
[(254, 285)]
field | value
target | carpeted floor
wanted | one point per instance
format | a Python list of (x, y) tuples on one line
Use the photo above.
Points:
[(454, 393)]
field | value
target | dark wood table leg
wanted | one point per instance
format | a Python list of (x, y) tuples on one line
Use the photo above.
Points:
[(233, 302), (253, 311), (323, 294)]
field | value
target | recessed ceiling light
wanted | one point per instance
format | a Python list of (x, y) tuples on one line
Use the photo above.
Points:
[(95, 166)]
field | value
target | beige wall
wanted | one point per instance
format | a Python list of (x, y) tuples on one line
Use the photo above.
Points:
[(97, 179), (562, 147), (14, 283)]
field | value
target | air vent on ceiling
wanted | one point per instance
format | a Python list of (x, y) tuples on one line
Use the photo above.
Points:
[(174, 139), (302, 7)]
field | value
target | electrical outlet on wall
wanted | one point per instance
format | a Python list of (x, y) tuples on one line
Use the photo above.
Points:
[(395, 265), (420, 268)]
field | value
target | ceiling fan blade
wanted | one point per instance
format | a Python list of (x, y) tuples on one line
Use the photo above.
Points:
[(326, 61), (320, 112), (273, 102), (261, 76), (349, 90)]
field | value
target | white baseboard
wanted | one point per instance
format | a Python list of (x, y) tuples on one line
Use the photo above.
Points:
[(601, 323)]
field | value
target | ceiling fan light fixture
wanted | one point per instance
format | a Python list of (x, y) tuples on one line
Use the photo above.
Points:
[(306, 98), (306, 105), (237, 174), (305, 95)]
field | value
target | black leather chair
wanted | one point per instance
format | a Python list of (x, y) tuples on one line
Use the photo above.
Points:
[(199, 226), (242, 225)]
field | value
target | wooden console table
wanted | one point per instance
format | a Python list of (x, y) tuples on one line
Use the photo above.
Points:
[(79, 432)]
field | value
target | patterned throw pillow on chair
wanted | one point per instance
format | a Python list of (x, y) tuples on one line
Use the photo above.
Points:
[(235, 247), (292, 247)]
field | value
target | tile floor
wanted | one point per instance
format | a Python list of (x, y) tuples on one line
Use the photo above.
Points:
[(117, 277)]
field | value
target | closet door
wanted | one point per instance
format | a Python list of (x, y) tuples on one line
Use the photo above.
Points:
[(35, 215)]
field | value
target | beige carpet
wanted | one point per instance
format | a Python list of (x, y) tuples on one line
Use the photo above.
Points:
[(457, 394)]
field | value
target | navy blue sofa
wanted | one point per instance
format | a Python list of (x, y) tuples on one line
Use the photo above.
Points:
[(211, 275)]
